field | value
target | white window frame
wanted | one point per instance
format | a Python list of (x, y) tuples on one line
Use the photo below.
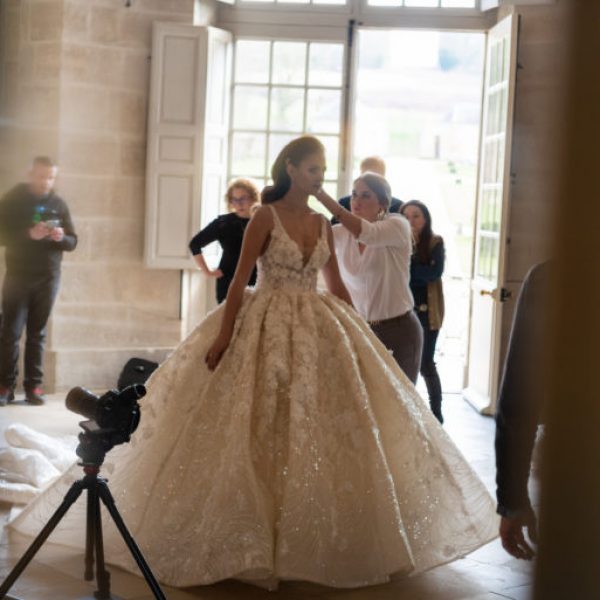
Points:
[(339, 177), (350, 6), (246, 16), (439, 9), (323, 23)]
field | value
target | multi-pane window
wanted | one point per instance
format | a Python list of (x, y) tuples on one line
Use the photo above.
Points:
[(283, 89), (316, 2), (407, 3), (426, 3)]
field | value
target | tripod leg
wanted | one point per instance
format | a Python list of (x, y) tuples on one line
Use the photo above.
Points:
[(109, 502), (90, 534), (70, 497), (102, 575)]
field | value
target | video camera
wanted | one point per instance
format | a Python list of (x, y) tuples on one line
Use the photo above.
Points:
[(113, 417)]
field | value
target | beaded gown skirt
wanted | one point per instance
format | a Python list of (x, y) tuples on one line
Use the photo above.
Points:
[(306, 455)]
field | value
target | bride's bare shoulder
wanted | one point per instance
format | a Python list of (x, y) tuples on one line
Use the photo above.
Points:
[(263, 215), (319, 216)]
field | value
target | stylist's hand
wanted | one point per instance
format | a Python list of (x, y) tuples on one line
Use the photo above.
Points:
[(322, 196), (216, 351)]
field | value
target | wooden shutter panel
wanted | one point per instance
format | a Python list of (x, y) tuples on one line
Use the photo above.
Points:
[(187, 63)]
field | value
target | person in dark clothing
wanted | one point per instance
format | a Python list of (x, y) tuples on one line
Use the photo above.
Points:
[(371, 164), (426, 268), (520, 410), (36, 228), (242, 198)]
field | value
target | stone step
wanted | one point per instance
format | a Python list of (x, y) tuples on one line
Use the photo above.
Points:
[(111, 326)]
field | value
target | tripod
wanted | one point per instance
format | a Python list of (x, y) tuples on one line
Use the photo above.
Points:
[(97, 489)]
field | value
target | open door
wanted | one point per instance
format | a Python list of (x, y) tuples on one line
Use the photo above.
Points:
[(491, 224)]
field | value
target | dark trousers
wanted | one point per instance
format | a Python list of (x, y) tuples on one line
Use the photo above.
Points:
[(404, 337), (428, 369), (223, 284), (26, 303)]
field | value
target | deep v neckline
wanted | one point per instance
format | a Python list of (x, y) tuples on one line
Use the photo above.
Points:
[(305, 259)]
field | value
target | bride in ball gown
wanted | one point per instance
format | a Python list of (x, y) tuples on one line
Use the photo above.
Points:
[(280, 440)]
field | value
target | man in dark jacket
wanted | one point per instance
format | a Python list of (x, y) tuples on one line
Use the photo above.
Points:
[(35, 227), (520, 410)]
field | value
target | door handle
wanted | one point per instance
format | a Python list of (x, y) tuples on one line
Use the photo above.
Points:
[(501, 295)]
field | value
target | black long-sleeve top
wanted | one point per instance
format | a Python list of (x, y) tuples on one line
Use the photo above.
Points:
[(522, 395), (20, 210), (228, 230), (422, 274)]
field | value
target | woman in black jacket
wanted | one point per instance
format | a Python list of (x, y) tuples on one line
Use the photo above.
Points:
[(426, 268), (242, 197)]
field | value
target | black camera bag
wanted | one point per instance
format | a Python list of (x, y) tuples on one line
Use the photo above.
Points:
[(136, 370)]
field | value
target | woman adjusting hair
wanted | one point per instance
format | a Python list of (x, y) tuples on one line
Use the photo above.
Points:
[(373, 249)]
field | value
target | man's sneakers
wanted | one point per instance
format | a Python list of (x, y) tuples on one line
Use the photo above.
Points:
[(35, 396), (6, 395)]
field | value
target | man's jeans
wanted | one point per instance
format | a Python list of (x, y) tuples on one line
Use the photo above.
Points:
[(26, 302)]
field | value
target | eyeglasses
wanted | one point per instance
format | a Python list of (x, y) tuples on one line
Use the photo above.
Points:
[(241, 200)]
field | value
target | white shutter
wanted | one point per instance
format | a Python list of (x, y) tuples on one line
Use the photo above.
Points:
[(187, 137)]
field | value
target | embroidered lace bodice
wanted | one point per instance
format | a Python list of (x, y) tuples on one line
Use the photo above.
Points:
[(283, 266)]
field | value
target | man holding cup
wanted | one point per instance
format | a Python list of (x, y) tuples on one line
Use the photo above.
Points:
[(36, 228)]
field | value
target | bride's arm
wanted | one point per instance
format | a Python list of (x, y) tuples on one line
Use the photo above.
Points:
[(331, 272), (255, 237)]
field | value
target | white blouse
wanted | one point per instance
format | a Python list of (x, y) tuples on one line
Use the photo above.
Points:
[(378, 278)]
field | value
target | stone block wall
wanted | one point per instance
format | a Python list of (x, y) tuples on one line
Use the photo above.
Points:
[(536, 144), (75, 81), (29, 83), (538, 121)]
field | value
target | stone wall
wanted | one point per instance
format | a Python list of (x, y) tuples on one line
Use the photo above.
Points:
[(535, 159), (76, 84), (29, 88)]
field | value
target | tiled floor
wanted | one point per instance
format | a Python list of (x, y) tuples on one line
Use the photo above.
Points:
[(57, 572)]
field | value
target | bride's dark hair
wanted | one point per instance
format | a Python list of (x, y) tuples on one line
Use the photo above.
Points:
[(296, 151)]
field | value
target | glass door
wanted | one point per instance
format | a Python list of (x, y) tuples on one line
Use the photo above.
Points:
[(487, 292)]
